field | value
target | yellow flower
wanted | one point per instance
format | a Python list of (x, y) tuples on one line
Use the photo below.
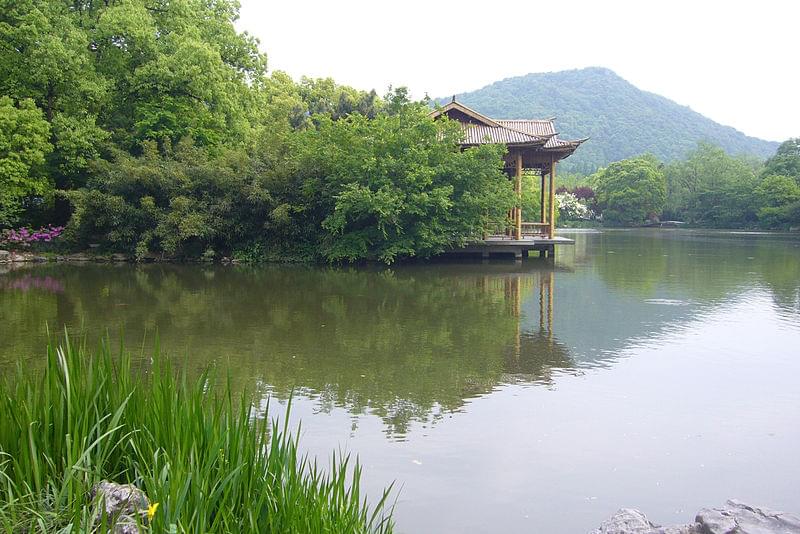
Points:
[(151, 511)]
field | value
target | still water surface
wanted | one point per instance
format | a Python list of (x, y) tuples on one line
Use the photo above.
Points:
[(649, 369)]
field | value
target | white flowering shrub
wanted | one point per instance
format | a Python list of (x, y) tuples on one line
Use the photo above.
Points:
[(569, 207)]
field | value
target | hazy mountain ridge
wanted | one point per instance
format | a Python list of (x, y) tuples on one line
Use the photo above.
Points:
[(621, 119)]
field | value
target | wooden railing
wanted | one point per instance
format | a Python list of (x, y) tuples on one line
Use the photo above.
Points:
[(535, 229), (529, 229)]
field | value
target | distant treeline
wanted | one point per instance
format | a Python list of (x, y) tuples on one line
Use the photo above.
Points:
[(709, 188)]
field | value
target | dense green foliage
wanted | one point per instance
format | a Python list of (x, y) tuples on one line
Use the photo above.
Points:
[(398, 185), (393, 186), (621, 120), (710, 188), (212, 461), (160, 131), (23, 146), (125, 72), (631, 191), (786, 160), (714, 189), (779, 200)]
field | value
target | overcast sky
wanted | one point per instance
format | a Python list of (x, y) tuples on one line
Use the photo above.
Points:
[(736, 62)]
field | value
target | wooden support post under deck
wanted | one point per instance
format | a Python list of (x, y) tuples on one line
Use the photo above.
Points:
[(552, 227), (518, 188)]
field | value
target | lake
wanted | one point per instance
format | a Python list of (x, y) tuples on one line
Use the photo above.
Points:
[(655, 369)]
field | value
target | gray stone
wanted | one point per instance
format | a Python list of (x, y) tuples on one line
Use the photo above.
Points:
[(5, 256), (21, 257), (123, 505), (120, 257), (693, 528), (78, 257), (737, 517), (626, 521), (147, 257), (734, 518)]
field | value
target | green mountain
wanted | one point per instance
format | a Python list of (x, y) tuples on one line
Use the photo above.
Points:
[(620, 119)]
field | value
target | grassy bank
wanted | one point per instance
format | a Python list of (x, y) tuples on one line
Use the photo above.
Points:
[(193, 447)]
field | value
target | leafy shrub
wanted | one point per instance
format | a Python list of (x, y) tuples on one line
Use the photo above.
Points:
[(399, 185)]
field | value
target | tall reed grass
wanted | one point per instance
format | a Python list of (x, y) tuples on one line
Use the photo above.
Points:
[(191, 445)]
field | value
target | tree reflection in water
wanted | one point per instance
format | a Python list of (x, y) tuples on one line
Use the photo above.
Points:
[(406, 344)]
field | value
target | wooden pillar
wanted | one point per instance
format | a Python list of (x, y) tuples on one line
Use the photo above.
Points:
[(552, 228), (518, 188), (541, 201)]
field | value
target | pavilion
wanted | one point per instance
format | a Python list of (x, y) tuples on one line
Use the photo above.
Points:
[(533, 145)]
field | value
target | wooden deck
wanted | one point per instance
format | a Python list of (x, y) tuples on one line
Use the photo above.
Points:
[(503, 246)]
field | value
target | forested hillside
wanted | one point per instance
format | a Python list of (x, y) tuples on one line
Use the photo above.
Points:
[(621, 119)]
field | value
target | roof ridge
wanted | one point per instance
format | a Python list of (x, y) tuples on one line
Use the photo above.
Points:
[(466, 110), (525, 120)]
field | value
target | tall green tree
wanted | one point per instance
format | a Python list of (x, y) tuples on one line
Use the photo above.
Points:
[(323, 96), (712, 188), (399, 186), (779, 201), (631, 191), (46, 56), (24, 144), (786, 161), (178, 68), (129, 71)]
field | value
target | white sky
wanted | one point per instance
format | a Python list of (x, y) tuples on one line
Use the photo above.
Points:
[(737, 62)]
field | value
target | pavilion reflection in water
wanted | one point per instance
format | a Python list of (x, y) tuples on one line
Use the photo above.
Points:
[(535, 352), (511, 347)]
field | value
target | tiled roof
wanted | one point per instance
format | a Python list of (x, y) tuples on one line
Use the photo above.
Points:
[(555, 142), (533, 127), (479, 129), (478, 134)]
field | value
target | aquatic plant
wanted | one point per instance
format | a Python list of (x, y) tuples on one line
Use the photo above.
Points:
[(204, 454)]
